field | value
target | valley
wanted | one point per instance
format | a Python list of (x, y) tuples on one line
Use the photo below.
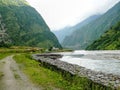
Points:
[(38, 53), (83, 36)]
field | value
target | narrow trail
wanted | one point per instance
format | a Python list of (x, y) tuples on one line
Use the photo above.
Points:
[(13, 78)]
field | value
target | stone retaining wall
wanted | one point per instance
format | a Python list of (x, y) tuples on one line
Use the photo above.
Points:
[(108, 80)]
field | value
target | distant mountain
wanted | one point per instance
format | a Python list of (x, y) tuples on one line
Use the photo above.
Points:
[(85, 35), (110, 40), (62, 33), (24, 26)]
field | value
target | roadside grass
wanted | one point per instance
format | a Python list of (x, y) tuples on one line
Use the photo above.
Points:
[(17, 76), (44, 77), (53, 80), (3, 55), (18, 49), (21, 49), (1, 75)]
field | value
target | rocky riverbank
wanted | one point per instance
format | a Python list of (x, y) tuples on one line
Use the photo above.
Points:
[(108, 80)]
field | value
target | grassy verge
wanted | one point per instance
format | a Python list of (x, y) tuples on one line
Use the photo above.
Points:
[(42, 76), (18, 49), (50, 80), (3, 55), (1, 75)]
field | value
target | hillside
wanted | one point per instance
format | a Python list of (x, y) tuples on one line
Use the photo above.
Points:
[(110, 40), (62, 33), (84, 36), (25, 26)]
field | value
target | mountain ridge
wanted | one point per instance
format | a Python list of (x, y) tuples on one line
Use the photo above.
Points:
[(84, 36), (25, 25), (110, 40), (66, 31)]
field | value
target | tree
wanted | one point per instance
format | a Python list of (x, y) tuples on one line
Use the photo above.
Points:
[(4, 37)]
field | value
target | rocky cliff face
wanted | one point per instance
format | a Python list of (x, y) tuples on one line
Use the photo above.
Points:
[(25, 26)]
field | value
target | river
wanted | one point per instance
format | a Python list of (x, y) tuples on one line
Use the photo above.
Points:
[(104, 61)]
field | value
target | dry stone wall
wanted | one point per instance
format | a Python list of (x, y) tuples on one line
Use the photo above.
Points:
[(108, 80)]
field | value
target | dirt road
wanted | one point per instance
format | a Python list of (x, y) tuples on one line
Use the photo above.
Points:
[(13, 78)]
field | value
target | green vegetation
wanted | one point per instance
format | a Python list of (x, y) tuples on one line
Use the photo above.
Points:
[(53, 79), (19, 49), (13, 2), (46, 76), (41, 76), (84, 36), (24, 26), (3, 55), (1, 75), (64, 32), (17, 76), (110, 40)]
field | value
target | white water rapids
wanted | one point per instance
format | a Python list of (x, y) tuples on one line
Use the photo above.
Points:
[(104, 61)]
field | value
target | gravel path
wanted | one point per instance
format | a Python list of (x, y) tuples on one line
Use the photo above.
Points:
[(13, 78)]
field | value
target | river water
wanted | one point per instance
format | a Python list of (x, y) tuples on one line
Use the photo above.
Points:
[(104, 61)]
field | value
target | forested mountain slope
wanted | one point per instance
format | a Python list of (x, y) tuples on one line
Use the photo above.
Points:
[(84, 36), (62, 33), (25, 26), (110, 40)]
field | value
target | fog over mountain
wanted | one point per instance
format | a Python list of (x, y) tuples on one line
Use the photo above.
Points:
[(62, 13), (84, 36), (62, 33)]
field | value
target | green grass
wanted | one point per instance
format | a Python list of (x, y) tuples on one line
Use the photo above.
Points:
[(46, 76), (50, 80), (42, 76), (18, 49), (21, 49), (16, 76), (39, 75), (1, 75), (3, 55)]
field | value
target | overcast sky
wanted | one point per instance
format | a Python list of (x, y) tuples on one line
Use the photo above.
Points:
[(60, 13)]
